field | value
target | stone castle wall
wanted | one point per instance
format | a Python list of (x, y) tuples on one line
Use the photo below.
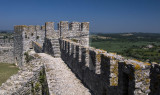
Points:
[(75, 31), (102, 72), (37, 47), (109, 73), (47, 37), (24, 36), (6, 50), (27, 81)]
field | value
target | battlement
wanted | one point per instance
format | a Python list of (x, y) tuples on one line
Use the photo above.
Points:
[(30, 28), (74, 26), (62, 25), (102, 72), (26, 34), (20, 28), (73, 30), (111, 72)]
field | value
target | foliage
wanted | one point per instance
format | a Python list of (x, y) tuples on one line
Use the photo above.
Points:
[(43, 82), (28, 57), (37, 87), (32, 88), (42, 78)]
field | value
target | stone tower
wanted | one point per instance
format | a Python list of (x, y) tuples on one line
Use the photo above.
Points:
[(47, 37)]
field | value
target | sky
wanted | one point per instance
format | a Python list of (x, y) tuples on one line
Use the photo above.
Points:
[(105, 16)]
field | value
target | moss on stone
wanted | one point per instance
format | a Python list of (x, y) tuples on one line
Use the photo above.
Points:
[(136, 66), (74, 40)]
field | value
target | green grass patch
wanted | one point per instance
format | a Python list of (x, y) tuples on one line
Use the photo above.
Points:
[(118, 46), (131, 46), (7, 70)]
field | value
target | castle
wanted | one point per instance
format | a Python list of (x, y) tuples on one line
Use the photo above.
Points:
[(100, 72)]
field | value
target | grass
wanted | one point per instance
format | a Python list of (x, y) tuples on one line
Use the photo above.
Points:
[(130, 46), (6, 70), (117, 46), (130, 49)]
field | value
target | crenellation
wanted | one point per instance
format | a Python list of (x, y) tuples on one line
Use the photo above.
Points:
[(75, 26), (31, 28), (38, 27), (24, 28), (43, 27), (104, 73), (49, 25), (49, 31), (16, 28), (120, 71), (85, 26), (63, 27)]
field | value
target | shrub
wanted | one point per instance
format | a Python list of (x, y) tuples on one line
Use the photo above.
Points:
[(28, 57), (37, 87), (41, 77)]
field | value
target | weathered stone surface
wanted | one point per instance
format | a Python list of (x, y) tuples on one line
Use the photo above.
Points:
[(61, 80), (123, 76), (21, 83), (6, 50), (103, 73)]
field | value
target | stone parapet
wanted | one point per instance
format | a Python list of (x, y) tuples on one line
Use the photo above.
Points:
[(60, 79), (124, 76)]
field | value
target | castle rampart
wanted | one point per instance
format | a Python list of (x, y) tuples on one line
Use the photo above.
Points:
[(107, 73), (47, 36), (6, 49), (101, 72)]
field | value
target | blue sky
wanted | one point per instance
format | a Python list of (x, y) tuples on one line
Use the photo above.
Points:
[(105, 16)]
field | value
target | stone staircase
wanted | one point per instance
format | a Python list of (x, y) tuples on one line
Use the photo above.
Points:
[(56, 47)]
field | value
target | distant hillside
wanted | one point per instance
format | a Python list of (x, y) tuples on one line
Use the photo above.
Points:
[(4, 35), (151, 37), (6, 31), (142, 46)]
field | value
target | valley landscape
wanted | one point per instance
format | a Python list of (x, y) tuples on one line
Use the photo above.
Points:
[(142, 46), (80, 47)]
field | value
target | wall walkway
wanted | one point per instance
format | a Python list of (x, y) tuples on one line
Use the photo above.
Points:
[(61, 80)]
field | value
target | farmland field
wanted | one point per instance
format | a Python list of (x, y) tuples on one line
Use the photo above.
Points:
[(142, 46)]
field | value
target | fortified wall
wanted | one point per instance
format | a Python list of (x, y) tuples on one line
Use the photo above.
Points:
[(23, 38), (47, 37), (108, 73), (6, 50), (103, 73)]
